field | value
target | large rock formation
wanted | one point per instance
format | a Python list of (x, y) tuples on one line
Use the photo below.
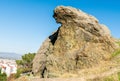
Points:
[(80, 42)]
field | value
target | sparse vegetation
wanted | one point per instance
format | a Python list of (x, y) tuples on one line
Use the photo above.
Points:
[(114, 77), (118, 76), (109, 79), (118, 43), (117, 52)]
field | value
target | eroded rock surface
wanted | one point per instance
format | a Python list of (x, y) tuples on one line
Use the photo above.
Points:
[(79, 43)]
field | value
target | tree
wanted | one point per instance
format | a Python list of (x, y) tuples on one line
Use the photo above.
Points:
[(25, 64)]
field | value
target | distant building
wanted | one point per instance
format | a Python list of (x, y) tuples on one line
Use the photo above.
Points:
[(8, 68)]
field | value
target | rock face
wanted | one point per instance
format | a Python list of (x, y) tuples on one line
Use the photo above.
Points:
[(80, 42)]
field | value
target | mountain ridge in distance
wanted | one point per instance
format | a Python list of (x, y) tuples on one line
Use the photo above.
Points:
[(10, 55)]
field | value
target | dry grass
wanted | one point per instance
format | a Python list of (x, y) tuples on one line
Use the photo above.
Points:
[(23, 78)]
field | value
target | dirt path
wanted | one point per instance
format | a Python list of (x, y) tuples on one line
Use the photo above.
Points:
[(59, 79)]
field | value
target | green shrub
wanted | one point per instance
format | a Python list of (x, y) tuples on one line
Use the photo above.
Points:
[(3, 76), (25, 64), (19, 71)]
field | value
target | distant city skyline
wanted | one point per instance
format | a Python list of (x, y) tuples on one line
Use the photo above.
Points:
[(25, 24)]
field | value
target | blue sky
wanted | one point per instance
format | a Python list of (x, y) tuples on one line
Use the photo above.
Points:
[(25, 24)]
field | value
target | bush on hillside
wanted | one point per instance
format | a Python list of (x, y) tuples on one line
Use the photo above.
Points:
[(25, 64), (3, 76)]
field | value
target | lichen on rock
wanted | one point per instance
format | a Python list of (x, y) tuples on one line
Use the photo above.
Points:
[(80, 42)]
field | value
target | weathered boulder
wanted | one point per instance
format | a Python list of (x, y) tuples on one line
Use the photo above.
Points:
[(80, 42)]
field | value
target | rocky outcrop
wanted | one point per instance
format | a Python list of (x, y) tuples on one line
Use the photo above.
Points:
[(80, 42)]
